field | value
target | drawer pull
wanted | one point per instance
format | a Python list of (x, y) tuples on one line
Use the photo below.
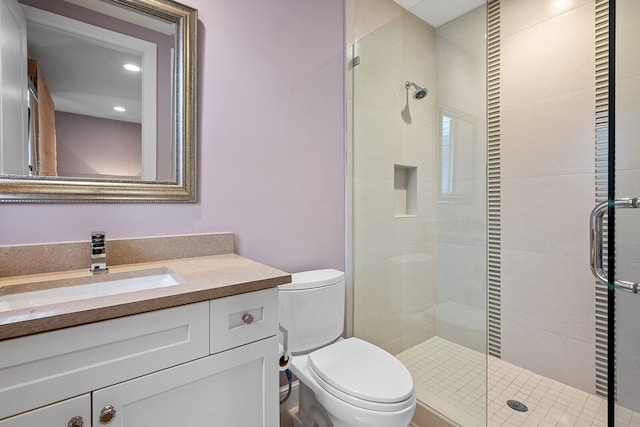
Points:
[(247, 318), (75, 422), (107, 414)]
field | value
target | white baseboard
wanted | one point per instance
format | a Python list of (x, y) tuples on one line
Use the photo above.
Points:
[(292, 401)]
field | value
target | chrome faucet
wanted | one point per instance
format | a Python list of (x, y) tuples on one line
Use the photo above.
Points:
[(98, 252)]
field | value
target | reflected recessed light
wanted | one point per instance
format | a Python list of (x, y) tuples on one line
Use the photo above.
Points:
[(121, 109), (131, 67)]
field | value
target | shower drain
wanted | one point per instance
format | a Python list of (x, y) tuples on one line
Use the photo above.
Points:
[(517, 406)]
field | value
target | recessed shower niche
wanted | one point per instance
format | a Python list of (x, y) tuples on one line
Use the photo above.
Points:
[(405, 189)]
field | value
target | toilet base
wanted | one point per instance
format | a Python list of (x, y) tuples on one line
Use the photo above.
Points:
[(312, 413)]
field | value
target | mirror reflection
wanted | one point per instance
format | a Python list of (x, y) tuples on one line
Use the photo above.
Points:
[(99, 92)]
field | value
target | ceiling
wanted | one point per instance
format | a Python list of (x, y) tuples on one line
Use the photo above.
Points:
[(438, 12)]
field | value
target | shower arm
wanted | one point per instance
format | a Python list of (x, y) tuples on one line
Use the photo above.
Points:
[(408, 84), (596, 238)]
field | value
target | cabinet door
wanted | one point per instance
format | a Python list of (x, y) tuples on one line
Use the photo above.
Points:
[(74, 412), (236, 388), (36, 370)]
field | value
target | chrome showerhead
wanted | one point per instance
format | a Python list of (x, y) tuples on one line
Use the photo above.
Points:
[(420, 91)]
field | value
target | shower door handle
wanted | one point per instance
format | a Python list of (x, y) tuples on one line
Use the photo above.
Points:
[(597, 243)]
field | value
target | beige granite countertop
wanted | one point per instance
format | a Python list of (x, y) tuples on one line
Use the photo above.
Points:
[(203, 278)]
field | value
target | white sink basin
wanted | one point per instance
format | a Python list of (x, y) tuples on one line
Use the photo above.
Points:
[(81, 288)]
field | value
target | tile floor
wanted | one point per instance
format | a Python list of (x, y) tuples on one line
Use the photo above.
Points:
[(285, 418), (450, 379)]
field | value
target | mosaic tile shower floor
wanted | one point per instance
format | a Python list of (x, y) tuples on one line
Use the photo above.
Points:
[(450, 378)]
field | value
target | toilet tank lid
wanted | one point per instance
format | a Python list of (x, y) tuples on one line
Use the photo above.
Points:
[(313, 279)]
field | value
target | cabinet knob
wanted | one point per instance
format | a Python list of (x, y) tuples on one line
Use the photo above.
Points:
[(247, 318), (75, 422), (107, 414)]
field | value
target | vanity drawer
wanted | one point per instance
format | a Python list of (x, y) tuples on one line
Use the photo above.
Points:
[(244, 318), (38, 369)]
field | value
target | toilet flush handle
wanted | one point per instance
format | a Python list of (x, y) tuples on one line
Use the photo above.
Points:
[(285, 338)]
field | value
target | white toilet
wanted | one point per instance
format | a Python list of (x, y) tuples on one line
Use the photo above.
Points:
[(343, 382)]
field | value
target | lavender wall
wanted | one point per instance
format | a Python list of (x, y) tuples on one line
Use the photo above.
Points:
[(271, 144), (92, 147)]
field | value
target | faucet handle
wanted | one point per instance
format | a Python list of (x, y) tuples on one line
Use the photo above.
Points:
[(97, 237), (98, 252)]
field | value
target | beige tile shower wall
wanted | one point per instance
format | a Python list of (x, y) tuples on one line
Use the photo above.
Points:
[(461, 223), (363, 17), (368, 15), (393, 262), (547, 125)]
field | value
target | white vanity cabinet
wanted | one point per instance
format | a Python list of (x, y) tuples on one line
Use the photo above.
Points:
[(232, 388), (75, 412), (208, 363)]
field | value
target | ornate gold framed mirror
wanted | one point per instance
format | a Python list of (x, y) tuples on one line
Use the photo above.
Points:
[(101, 106)]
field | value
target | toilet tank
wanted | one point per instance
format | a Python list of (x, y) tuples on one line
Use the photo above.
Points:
[(311, 308)]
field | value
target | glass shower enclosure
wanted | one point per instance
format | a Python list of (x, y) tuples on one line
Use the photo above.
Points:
[(418, 208), (480, 144), (621, 217)]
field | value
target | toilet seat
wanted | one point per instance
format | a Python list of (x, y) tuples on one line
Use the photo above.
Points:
[(363, 375)]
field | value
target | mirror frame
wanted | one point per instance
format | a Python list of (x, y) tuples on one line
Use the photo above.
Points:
[(20, 189)]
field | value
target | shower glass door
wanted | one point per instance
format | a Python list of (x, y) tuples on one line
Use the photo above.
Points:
[(627, 220), (419, 201)]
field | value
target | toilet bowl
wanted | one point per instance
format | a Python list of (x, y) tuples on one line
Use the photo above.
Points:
[(343, 382), (353, 383)]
